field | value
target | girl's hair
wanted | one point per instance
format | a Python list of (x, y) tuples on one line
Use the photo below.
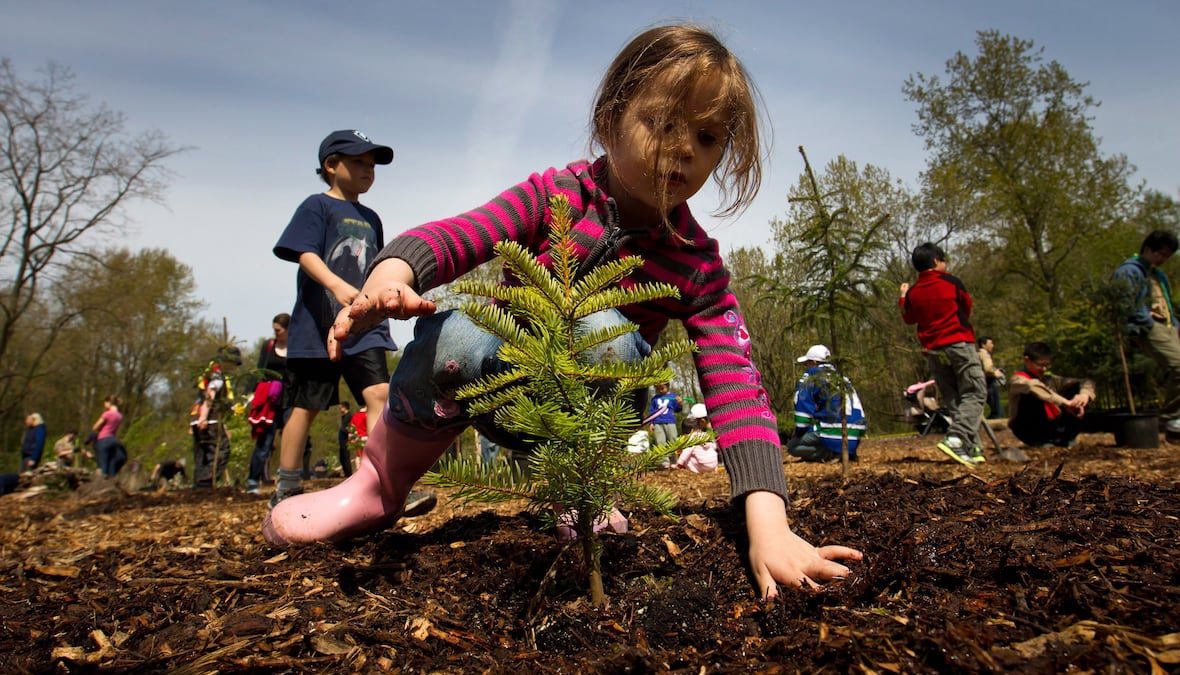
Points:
[(113, 400), (679, 57), (283, 319), (37, 419)]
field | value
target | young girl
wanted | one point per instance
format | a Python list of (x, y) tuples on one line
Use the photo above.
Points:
[(675, 108)]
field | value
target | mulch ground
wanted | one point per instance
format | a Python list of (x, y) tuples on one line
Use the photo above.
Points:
[(1069, 562)]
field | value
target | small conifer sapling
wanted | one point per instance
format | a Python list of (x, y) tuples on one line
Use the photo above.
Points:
[(575, 409)]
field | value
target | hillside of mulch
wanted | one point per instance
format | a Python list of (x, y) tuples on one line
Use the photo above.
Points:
[(1069, 562)]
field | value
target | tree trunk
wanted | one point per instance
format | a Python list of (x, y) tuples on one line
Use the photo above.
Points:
[(592, 557)]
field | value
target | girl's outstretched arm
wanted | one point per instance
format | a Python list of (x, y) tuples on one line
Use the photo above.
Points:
[(778, 556), (387, 293)]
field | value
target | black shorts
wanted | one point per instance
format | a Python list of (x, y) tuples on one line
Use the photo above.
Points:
[(315, 383)]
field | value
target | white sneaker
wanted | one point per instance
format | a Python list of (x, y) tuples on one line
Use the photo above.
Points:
[(1172, 426)]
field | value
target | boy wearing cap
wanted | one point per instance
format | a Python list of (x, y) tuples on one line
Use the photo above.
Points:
[(333, 238), (941, 307), (819, 395)]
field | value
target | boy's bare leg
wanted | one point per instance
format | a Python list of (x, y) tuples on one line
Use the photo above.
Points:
[(294, 440), (375, 397)]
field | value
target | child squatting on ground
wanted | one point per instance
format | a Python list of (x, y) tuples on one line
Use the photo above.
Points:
[(674, 108), (941, 307)]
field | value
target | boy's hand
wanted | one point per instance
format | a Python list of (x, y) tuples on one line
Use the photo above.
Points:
[(345, 293), (779, 556), (387, 293), (904, 288)]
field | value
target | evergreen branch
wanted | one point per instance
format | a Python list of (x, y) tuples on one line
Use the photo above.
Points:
[(486, 403), (657, 498), (561, 245), (513, 295), (601, 336), (530, 272), (489, 384), (477, 482), (621, 297), (606, 275), (495, 320)]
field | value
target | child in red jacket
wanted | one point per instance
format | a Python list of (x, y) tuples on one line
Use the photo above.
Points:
[(941, 307)]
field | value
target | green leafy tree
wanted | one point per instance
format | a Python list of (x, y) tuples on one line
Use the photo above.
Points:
[(1014, 159), (579, 413)]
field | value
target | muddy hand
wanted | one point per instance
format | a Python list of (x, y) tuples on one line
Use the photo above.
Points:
[(371, 307)]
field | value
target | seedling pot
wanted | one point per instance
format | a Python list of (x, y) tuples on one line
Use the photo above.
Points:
[(1136, 431)]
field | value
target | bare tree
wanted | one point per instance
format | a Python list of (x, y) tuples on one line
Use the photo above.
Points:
[(67, 169)]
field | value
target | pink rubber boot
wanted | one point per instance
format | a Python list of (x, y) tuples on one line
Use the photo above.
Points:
[(396, 455)]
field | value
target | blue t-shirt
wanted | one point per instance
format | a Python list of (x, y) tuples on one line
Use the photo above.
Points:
[(664, 407), (347, 236)]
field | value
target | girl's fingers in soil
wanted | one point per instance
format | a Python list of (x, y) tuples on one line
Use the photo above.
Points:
[(826, 570), (839, 553)]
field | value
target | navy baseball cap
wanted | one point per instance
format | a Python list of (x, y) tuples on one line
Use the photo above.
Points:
[(352, 142)]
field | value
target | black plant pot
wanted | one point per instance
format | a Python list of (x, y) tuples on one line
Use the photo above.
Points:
[(1139, 431)]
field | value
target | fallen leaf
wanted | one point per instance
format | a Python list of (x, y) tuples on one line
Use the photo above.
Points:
[(673, 549), (1073, 560), (57, 570), (330, 646), (276, 559), (420, 627)]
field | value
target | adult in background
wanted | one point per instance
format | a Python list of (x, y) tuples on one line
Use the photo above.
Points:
[(267, 411), (109, 452), (32, 445), (994, 377), (819, 396), (1150, 318), (210, 437), (168, 473), (66, 448)]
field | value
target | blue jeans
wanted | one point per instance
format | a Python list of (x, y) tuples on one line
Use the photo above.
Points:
[(449, 351), (110, 455)]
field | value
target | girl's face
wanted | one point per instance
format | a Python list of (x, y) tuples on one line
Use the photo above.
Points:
[(280, 332), (692, 143)]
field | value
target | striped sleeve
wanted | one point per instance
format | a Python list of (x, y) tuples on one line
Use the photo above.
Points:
[(444, 250), (739, 408)]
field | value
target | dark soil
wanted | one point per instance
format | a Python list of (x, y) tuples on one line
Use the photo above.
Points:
[(1070, 562)]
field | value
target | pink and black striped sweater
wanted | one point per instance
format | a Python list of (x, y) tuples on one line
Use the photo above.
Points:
[(441, 251)]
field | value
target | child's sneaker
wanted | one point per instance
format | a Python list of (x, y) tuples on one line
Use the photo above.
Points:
[(952, 446), (419, 503), (976, 455), (252, 487)]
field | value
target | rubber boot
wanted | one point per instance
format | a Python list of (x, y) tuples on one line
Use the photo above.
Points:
[(396, 455)]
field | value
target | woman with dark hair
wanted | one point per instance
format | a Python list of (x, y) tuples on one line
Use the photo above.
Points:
[(111, 455), (267, 413)]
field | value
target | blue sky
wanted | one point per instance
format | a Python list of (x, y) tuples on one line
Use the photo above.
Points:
[(475, 96)]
